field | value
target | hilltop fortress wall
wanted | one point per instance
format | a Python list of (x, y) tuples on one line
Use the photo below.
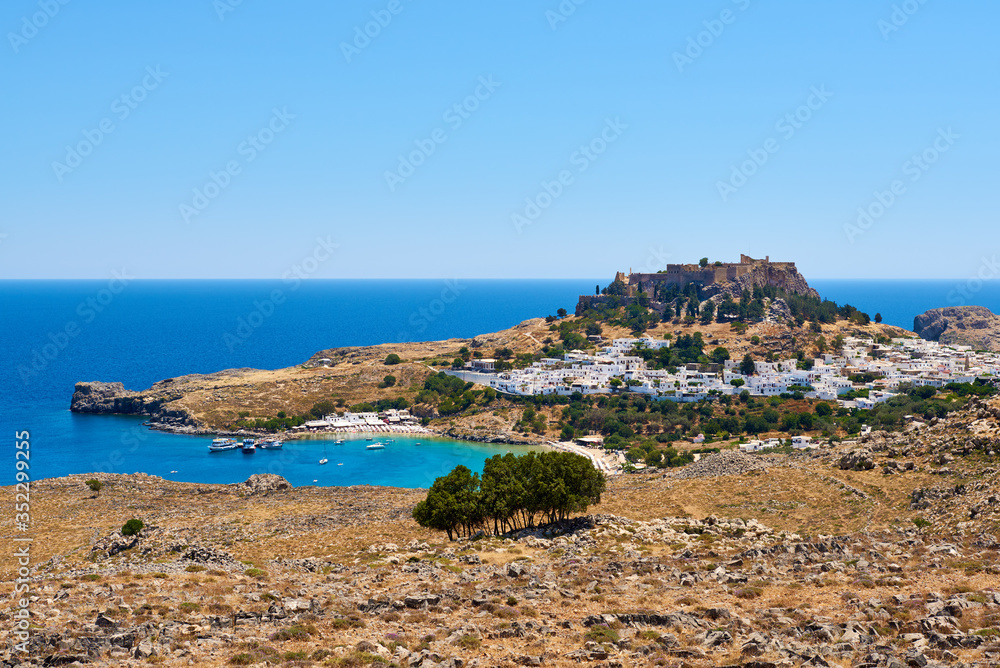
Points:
[(726, 277), (682, 274)]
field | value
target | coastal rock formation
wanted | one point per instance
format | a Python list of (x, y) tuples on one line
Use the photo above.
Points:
[(98, 397), (974, 326), (113, 398)]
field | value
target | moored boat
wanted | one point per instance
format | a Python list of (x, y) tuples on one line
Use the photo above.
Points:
[(249, 446), (271, 444), (375, 446), (223, 444)]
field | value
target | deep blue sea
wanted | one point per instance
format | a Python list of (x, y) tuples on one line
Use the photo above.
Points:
[(56, 333)]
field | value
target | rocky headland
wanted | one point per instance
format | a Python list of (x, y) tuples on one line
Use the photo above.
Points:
[(974, 326)]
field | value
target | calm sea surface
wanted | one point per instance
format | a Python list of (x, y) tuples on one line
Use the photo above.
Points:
[(56, 333)]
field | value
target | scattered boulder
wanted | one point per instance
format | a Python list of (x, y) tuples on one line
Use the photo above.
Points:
[(262, 483), (861, 459)]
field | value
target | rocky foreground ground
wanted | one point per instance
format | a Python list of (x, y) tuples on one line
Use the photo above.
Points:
[(723, 563)]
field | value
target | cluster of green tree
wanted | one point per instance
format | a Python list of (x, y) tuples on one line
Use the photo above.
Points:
[(925, 401), (512, 494), (452, 395), (531, 420), (978, 389), (649, 453), (398, 403)]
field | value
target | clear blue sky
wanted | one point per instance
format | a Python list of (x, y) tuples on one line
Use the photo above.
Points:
[(674, 127)]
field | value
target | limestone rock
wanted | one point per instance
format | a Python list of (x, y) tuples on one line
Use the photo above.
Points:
[(974, 326)]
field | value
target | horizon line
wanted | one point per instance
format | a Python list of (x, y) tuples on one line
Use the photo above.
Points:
[(440, 278)]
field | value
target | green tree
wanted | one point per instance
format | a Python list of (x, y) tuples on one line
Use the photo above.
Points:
[(823, 410), (388, 381), (452, 503), (703, 262), (392, 358), (878, 317), (720, 355), (561, 312), (747, 366), (707, 311), (95, 486), (132, 527), (737, 382)]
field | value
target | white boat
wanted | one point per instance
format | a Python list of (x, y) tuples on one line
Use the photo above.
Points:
[(271, 444), (339, 441), (375, 446), (222, 444), (323, 461), (249, 446)]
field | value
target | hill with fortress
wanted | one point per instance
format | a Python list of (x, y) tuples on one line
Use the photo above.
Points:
[(715, 281)]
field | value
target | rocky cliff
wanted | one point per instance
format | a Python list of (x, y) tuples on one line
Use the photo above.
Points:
[(974, 326), (112, 398), (787, 278)]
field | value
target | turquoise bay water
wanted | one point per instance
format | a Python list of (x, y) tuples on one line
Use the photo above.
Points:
[(408, 461)]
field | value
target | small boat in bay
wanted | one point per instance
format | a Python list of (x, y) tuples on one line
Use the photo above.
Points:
[(223, 444), (375, 446), (323, 461), (339, 441), (249, 446), (271, 444)]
